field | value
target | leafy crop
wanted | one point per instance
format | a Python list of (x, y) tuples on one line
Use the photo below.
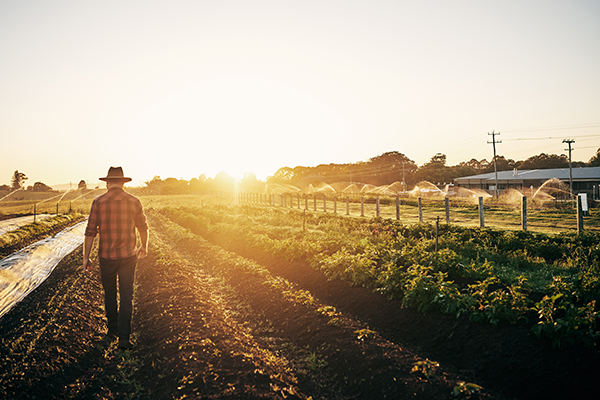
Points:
[(488, 275)]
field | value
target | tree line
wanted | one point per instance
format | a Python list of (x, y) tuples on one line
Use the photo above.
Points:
[(394, 166), (17, 182), (383, 169)]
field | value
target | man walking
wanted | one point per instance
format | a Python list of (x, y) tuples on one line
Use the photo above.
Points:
[(115, 216)]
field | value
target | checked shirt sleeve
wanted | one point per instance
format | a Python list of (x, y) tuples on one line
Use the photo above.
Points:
[(92, 225)]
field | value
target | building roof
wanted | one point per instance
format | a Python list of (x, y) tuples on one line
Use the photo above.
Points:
[(582, 173)]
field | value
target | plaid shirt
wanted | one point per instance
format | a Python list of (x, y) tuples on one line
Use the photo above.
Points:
[(115, 215)]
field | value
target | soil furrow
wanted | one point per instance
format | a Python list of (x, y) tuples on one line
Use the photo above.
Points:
[(351, 365), (508, 360)]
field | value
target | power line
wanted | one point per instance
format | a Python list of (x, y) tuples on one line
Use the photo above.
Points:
[(555, 128), (554, 137)]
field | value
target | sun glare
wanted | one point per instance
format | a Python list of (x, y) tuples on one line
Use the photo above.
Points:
[(237, 124)]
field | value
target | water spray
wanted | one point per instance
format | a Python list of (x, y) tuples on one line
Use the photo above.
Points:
[(11, 193)]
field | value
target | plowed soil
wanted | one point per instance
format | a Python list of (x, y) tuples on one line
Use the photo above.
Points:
[(218, 323)]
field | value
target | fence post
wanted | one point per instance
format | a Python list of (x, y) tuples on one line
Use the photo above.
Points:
[(579, 215), (377, 207), (397, 208), (34, 212), (447, 205), (420, 210), (481, 220), (524, 212), (335, 204), (347, 205), (298, 194), (56, 208), (324, 203), (362, 206), (306, 202), (315, 202)]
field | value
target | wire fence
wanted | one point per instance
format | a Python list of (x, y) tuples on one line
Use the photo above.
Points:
[(480, 212)]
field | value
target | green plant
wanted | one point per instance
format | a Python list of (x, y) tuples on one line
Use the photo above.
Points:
[(566, 324), (365, 334), (426, 368), (465, 390)]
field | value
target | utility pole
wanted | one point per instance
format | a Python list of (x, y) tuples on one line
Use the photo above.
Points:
[(493, 142), (569, 141)]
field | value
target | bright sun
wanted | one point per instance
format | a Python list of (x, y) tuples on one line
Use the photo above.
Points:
[(235, 123)]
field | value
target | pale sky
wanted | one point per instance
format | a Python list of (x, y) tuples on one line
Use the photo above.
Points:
[(183, 88)]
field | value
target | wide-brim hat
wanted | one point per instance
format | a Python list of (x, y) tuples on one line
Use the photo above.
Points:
[(115, 173)]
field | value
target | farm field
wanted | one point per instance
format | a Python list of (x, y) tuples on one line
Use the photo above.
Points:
[(250, 301)]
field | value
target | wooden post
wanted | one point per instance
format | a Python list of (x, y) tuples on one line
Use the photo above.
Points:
[(347, 205), (315, 202), (298, 194), (420, 210), (34, 212), (397, 208), (56, 208), (524, 212), (335, 204), (306, 202), (579, 215), (447, 205), (324, 203), (481, 219), (377, 208)]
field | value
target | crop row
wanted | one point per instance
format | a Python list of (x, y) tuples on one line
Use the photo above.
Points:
[(550, 283)]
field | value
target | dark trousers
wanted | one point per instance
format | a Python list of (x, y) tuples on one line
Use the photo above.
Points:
[(119, 319)]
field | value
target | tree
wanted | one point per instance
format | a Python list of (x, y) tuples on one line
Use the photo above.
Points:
[(595, 160), (435, 171), (390, 167), (224, 181), (439, 159), (502, 164), (477, 167), (39, 187), (17, 180), (282, 175), (198, 184), (546, 161)]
